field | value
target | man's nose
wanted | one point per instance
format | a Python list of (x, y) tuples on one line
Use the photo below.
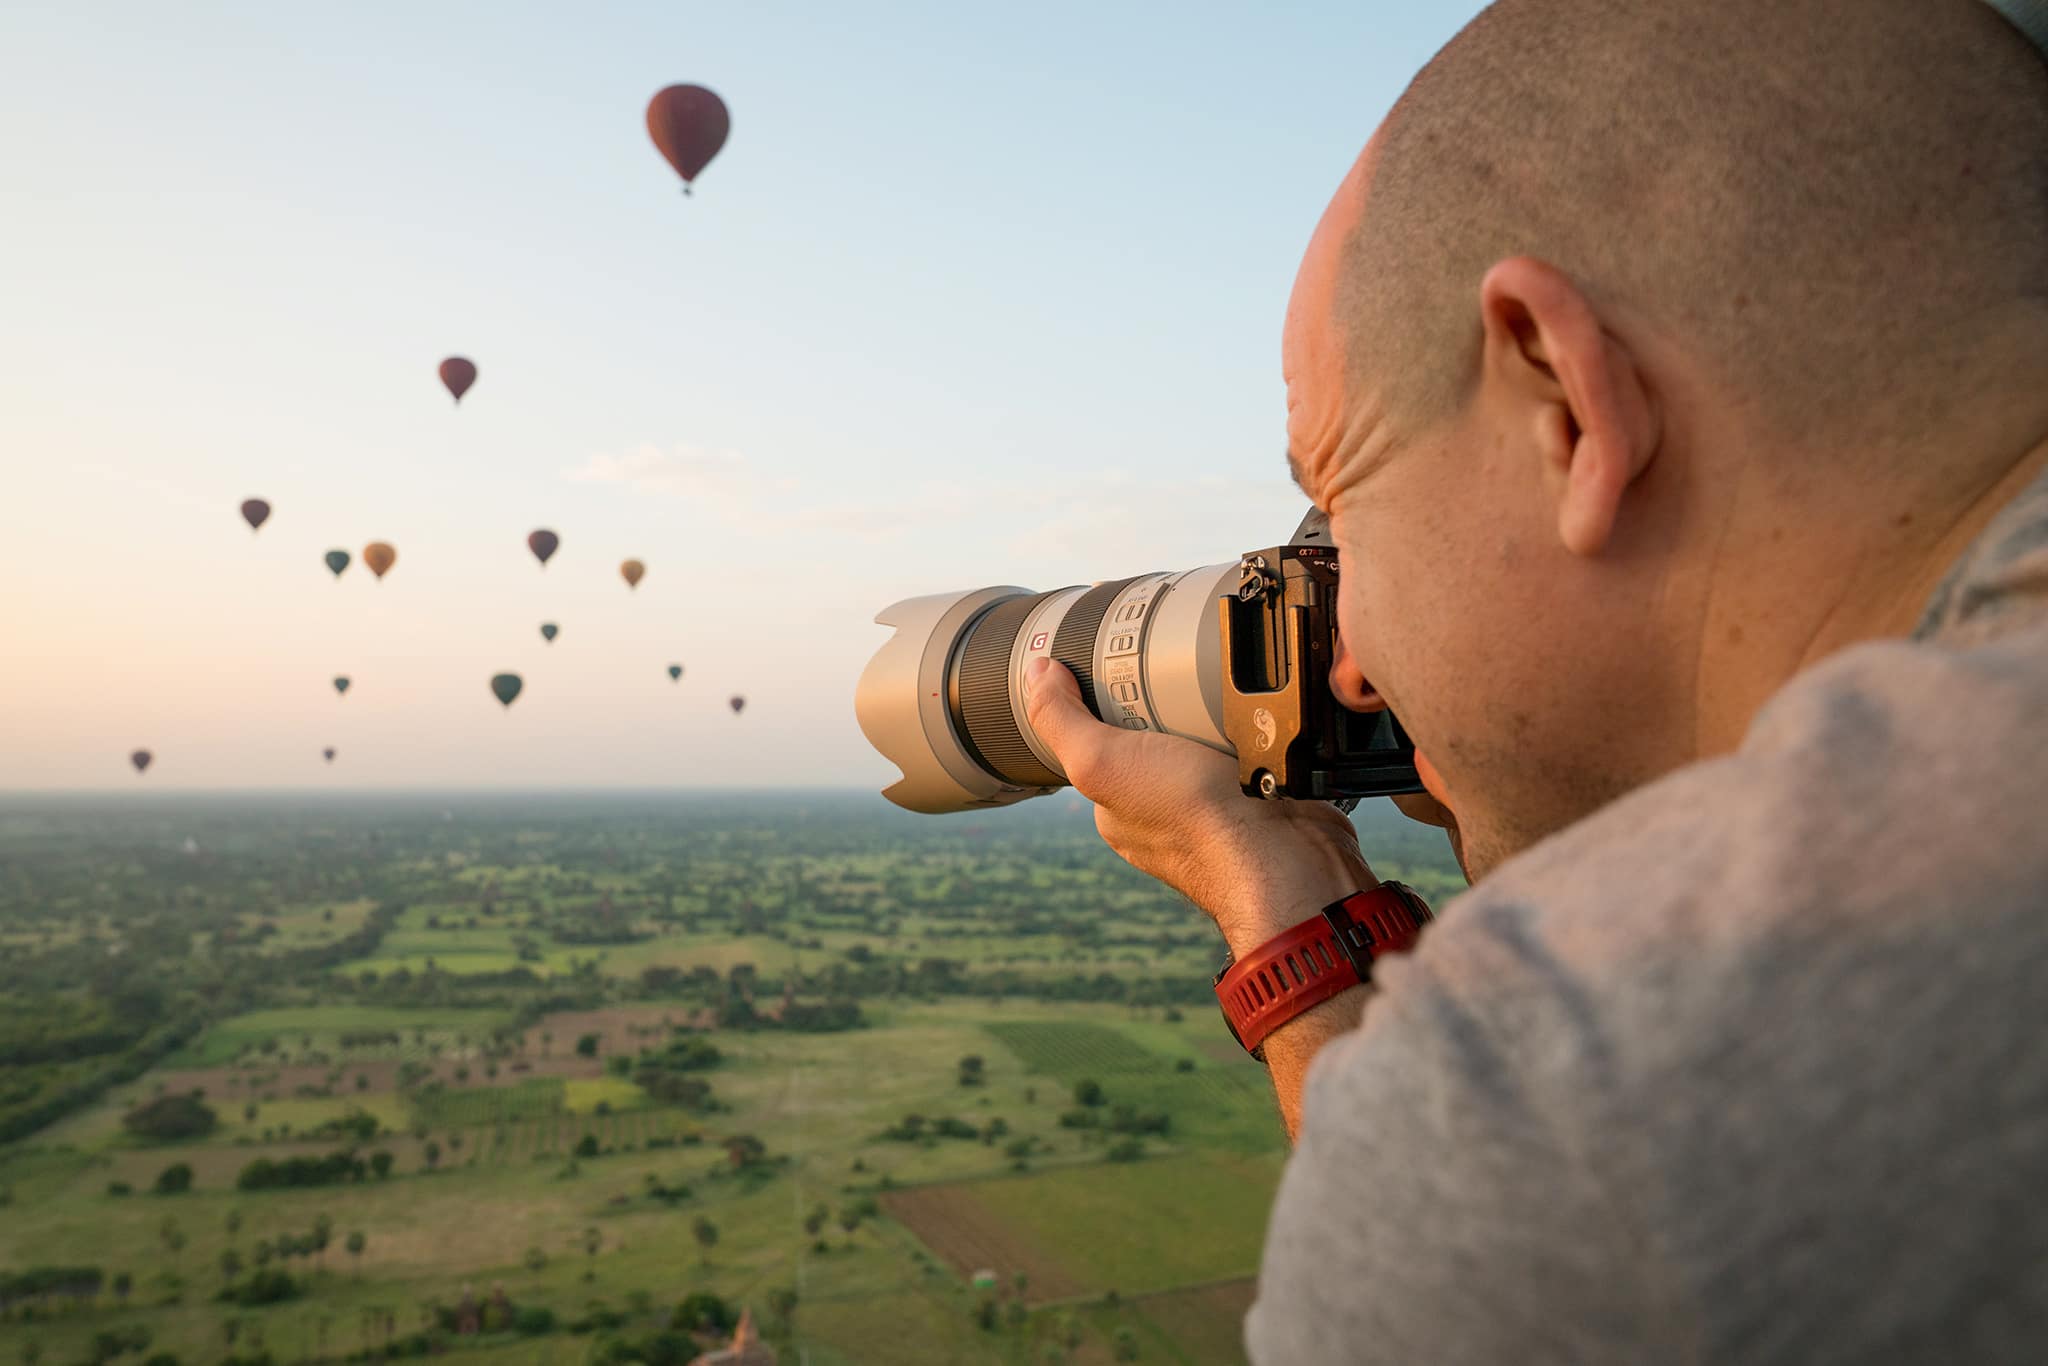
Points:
[(1348, 683)]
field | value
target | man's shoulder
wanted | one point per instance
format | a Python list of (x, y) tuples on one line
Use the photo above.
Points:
[(1764, 1033)]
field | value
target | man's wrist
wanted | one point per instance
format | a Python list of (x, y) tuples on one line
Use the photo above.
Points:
[(1267, 911)]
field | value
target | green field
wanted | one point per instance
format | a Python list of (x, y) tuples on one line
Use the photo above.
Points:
[(571, 1033)]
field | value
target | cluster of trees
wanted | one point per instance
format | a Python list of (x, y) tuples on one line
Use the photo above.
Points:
[(1092, 1110), (43, 1288), (334, 1168), (915, 1128), (172, 1118)]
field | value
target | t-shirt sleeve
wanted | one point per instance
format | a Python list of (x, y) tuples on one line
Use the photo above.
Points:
[(1445, 1203)]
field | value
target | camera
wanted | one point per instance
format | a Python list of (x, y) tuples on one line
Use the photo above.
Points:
[(1235, 656)]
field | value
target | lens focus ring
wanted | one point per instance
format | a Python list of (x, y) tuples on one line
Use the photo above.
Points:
[(978, 691), (1074, 643)]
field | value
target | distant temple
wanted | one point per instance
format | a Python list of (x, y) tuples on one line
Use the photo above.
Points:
[(747, 1349)]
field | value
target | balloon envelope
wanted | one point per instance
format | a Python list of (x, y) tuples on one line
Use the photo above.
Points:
[(737, 704), (140, 758), (341, 683), (337, 560), (543, 543), (255, 512), (688, 124), (506, 687), (675, 671), (632, 571), (548, 630), (328, 754), (380, 557), (458, 374)]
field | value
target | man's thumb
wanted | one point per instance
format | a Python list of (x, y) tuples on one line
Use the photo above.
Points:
[(1053, 705)]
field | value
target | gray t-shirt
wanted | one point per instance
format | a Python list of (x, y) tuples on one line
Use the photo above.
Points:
[(1750, 1066)]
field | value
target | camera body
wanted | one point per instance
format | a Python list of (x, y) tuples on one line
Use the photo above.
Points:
[(1292, 737), (1234, 656)]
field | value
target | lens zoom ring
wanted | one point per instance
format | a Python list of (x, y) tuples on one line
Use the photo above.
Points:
[(981, 694), (1074, 643)]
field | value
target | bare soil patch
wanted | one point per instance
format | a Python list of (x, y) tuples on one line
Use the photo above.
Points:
[(953, 1222)]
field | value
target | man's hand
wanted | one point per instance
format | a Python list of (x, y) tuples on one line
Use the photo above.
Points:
[(1173, 809)]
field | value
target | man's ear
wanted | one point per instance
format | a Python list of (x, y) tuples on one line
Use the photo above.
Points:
[(1596, 427)]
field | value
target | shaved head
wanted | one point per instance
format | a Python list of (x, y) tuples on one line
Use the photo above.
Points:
[(1823, 202)]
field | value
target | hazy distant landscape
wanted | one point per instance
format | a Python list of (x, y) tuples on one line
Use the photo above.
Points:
[(579, 1077)]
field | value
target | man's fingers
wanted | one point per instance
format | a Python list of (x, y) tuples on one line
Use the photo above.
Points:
[(1053, 705)]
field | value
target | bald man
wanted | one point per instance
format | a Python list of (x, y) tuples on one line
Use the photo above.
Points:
[(1674, 374)]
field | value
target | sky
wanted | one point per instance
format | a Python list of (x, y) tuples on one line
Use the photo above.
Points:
[(974, 294)]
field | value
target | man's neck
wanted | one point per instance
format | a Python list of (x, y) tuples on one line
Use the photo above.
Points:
[(1885, 561)]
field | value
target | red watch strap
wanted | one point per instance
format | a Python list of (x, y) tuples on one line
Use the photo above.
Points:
[(1300, 968)]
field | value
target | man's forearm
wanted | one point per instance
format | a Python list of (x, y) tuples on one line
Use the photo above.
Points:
[(1294, 1045)]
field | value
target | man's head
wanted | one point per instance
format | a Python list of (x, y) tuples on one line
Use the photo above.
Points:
[(1645, 349)]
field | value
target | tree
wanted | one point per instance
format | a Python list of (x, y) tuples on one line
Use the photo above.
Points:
[(1123, 1344), (971, 1070), (380, 1163), (356, 1243), (782, 1305), (175, 1179), (1088, 1092), (706, 1234), (230, 1263), (234, 1222), (849, 1219), (816, 1220), (587, 1045), (123, 1283), (173, 1237), (536, 1260), (432, 1152), (171, 1118)]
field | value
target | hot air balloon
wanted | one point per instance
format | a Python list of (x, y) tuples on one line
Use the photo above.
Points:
[(548, 630), (380, 557), (543, 543), (140, 758), (632, 571), (341, 684), (458, 374), (506, 687), (737, 704), (675, 671), (688, 124), (255, 512), (328, 754), (337, 560)]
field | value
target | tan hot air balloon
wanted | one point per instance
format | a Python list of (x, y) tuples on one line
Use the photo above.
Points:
[(380, 557), (632, 571)]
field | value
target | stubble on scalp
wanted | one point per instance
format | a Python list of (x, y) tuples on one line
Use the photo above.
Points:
[(1817, 200)]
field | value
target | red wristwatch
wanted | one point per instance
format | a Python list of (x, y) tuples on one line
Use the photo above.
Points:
[(1301, 968)]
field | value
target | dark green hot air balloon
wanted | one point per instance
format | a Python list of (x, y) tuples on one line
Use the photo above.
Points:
[(506, 687), (548, 631), (341, 683), (675, 671), (337, 560)]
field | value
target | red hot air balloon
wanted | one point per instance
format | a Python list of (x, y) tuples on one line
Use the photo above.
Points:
[(140, 758), (543, 543), (458, 374), (737, 704), (255, 512), (688, 124)]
